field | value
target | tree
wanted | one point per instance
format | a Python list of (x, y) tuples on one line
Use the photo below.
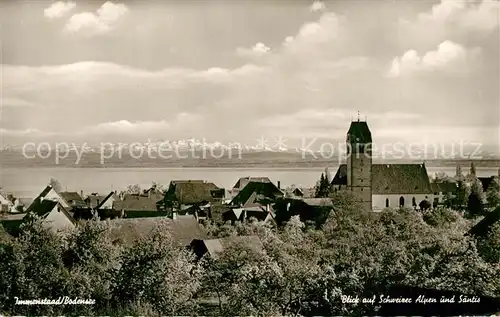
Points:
[(133, 189), (323, 187), (158, 272), (493, 193), (56, 185), (475, 206), (441, 177), (462, 195)]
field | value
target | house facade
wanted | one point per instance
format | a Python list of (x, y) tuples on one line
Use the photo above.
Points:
[(379, 186)]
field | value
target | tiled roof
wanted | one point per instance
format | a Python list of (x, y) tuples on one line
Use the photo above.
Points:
[(242, 182), (393, 179), (483, 227), (256, 194), (359, 132), (215, 246), (318, 202), (188, 193), (102, 202), (400, 179), (71, 196), (136, 203), (43, 207), (184, 229)]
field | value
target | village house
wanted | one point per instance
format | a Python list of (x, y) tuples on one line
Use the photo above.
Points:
[(256, 194), (442, 190), (93, 200), (6, 202), (49, 193), (74, 199), (259, 213), (53, 214), (192, 197), (302, 193), (242, 182), (379, 186), (136, 205), (309, 209)]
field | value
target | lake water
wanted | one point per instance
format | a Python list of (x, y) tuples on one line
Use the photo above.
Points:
[(28, 182)]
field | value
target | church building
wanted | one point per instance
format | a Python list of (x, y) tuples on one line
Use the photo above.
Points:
[(379, 186)]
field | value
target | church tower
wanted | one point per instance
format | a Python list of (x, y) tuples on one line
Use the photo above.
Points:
[(359, 162)]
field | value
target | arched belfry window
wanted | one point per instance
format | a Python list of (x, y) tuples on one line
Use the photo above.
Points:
[(387, 202), (401, 201)]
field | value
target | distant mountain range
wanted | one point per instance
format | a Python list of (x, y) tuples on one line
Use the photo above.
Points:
[(190, 145), (196, 153)]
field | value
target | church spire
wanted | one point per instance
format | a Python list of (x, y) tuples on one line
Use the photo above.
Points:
[(358, 115)]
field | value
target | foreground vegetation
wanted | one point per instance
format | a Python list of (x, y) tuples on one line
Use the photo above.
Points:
[(303, 270)]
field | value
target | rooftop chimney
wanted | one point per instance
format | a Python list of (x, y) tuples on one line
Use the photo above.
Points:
[(279, 185)]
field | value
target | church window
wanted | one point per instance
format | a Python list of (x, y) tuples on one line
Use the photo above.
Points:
[(387, 202), (413, 202), (401, 201)]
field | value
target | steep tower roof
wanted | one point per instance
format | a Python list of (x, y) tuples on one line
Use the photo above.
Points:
[(359, 132)]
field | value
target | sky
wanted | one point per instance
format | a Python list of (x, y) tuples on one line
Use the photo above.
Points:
[(236, 71)]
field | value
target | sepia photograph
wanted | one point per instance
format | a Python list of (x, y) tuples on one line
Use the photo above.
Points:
[(250, 158)]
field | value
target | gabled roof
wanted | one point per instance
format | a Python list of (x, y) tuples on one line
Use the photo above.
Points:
[(359, 132), (400, 179), (215, 246), (192, 192), (39, 198), (94, 200), (43, 207), (242, 182), (304, 192), (136, 203), (184, 229), (340, 177), (257, 194), (101, 203), (483, 227), (73, 199), (318, 201), (393, 179), (69, 196)]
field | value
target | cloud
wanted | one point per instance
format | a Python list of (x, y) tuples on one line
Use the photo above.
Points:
[(482, 15), (448, 56), (99, 22), (461, 20), (317, 6), (257, 50), (59, 9), (313, 35)]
